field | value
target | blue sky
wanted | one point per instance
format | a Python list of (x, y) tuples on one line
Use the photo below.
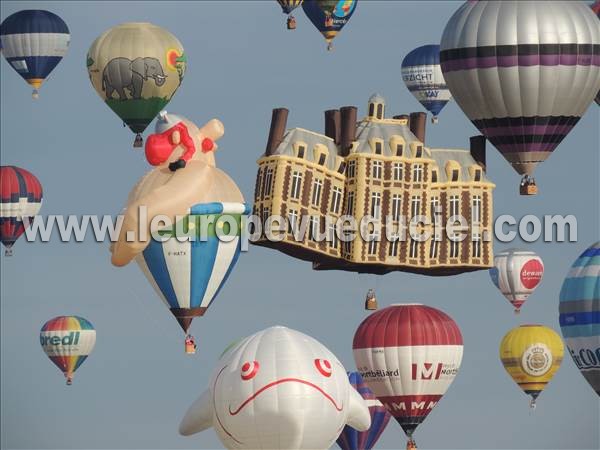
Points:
[(133, 390)]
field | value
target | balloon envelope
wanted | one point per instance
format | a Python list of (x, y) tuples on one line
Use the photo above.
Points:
[(352, 439), (516, 273), (408, 355), (580, 314), (68, 341), (136, 68), (531, 354), (188, 274), (33, 42), (329, 16), (20, 197), (287, 6), (422, 74), (524, 72)]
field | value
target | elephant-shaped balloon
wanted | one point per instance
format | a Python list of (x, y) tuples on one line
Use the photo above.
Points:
[(122, 73)]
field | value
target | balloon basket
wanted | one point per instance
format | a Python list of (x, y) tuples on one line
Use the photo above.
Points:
[(190, 345), (139, 141), (35, 94), (411, 444), (329, 46), (517, 311), (69, 380), (434, 120), (8, 252), (371, 301), (291, 23), (528, 186), (532, 404)]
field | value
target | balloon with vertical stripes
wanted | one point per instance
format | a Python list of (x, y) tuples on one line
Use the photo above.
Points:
[(68, 341), (20, 199), (34, 41)]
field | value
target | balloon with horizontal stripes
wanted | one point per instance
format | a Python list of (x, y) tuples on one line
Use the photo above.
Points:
[(580, 314), (136, 68), (408, 355), (20, 199), (188, 274), (516, 274), (34, 41), (423, 77), (524, 72), (351, 438), (329, 16), (531, 355), (68, 341)]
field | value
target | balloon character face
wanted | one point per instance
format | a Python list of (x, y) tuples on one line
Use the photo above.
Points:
[(278, 389)]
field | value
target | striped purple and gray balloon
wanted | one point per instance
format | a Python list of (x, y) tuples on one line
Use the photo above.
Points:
[(523, 72)]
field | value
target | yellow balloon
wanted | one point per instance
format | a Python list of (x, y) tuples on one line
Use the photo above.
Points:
[(136, 68), (531, 354)]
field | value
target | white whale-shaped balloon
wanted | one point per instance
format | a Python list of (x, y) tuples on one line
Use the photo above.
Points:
[(277, 389)]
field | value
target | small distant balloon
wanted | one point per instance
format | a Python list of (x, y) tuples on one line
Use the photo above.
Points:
[(287, 7), (329, 16), (68, 341), (20, 199), (34, 41), (516, 273), (422, 74)]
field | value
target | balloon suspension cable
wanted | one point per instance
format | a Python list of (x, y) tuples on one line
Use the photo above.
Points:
[(35, 94), (139, 141), (8, 252)]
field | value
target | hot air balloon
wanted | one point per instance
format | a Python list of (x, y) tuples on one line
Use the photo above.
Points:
[(423, 77), (33, 42), (136, 69), (20, 198), (188, 275), (408, 355), (580, 314), (329, 16), (516, 273), (287, 6), (68, 341), (277, 389), (352, 439), (531, 354), (596, 9), (523, 72)]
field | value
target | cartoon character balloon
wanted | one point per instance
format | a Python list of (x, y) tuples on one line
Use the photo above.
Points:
[(524, 72), (287, 6), (201, 202), (278, 388), (329, 16), (516, 273), (68, 341), (423, 77), (351, 438), (580, 314), (136, 68), (531, 354), (34, 41), (20, 198), (408, 355)]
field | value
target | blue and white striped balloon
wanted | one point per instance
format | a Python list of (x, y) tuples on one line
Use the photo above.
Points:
[(188, 274), (580, 314), (422, 74), (33, 42)]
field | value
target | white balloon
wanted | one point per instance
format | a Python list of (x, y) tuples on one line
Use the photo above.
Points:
[(277, 389)]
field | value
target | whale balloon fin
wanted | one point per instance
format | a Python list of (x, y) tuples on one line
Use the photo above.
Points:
[(359, 417), (198, 417)]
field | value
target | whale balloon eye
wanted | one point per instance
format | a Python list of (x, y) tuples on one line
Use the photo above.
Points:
[(324, 367), (249, 370)]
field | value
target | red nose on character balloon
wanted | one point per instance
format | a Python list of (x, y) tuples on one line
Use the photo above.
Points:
[(20, 197), (408, 355), (170, 133)]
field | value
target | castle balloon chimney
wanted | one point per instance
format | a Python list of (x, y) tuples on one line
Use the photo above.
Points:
[(348, 129), (333, 121), (417, 124), (478, 150), (278, 124)]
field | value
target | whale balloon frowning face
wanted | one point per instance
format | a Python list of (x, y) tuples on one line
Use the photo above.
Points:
[(278, 389)]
